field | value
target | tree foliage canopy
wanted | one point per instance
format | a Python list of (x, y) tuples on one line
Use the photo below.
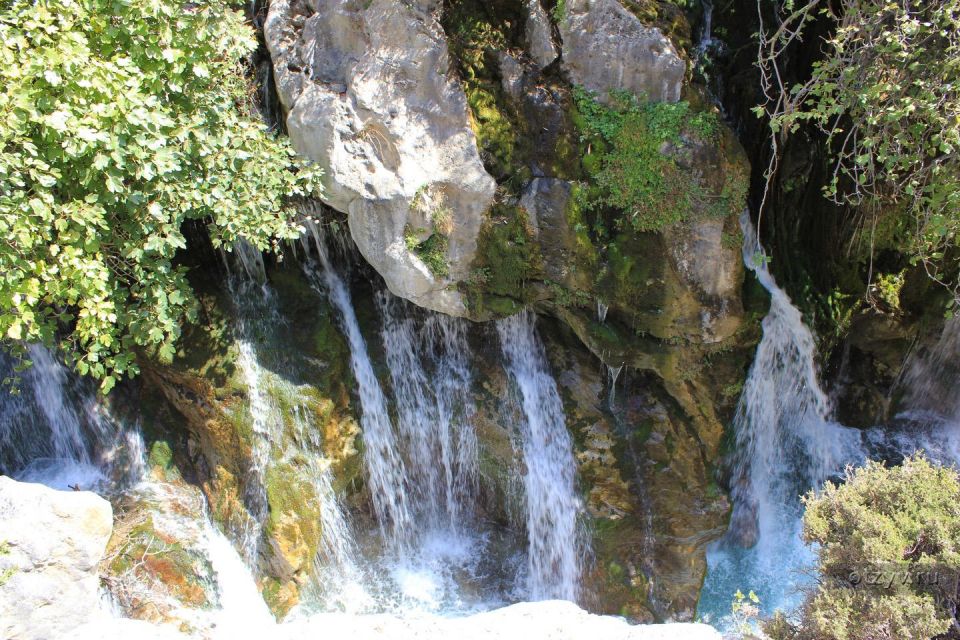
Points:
[(889, 555), (119, 121), (886, 94)]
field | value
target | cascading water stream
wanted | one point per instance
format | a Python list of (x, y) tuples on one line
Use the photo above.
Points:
[(256, 313), (433, 412), (422, 467), (552, 504), (786, 444), (55, 432), (258, 319), (385, 470)]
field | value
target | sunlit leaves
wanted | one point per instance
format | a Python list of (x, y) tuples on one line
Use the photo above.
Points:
[(119, 121), (886, 94)]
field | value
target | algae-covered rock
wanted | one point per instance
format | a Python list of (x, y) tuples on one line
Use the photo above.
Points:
[(645, 468), (252, 410), (156, 565)]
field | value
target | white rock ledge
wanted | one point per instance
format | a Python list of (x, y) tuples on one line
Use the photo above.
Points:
[(549, 620), (606, 47), (52, 542)]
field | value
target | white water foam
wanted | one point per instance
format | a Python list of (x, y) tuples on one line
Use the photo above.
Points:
[(552, 504), (786, 444)]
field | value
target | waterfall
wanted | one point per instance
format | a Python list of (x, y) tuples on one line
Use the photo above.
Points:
[(552, 504), (386, 474), (421, 468), (258, 317), (339, 583), (930, 374), (433, 412), (48, 381), (265, 424), (602, 310), (613, 373), (54, 431), (786, 444), (256, 314)]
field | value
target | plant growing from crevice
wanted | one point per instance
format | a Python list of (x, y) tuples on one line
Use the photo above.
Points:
[(432, 251), (633, 159), (7, 573)]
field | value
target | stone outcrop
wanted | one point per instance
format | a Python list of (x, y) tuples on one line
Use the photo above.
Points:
[(50, 544), (539, 35), (369, 96), (156, 564), (606, 47)]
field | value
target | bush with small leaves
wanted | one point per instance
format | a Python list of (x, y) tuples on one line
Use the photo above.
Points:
[(888, 544)]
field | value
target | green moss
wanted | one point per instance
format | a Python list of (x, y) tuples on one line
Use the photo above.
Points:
[(507, 260), (615, 571), (160, 455), (477, 31), (432, 251), (667, 15), (586, 253), (637, 165), (642, 433), (290, 492), (559, 11), (272, 595)]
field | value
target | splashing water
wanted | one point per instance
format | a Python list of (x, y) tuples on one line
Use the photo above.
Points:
[(785, 445), (386, 474), (555, 548)]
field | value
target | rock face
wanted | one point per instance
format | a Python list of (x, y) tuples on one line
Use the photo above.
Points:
[(156, 564), (607, 47), (369, 97), (50, 544), (539, 37)]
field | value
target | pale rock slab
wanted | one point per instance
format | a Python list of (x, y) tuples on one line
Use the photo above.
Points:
[(538, 35), (370, 98), (606, 47), (52, 541)]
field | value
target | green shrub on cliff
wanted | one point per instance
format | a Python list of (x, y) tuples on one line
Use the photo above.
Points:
[(635, 160), (121, 120), (889, 555)]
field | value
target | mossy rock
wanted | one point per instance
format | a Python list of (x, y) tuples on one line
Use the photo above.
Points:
[(507, 261), (156, 564)]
